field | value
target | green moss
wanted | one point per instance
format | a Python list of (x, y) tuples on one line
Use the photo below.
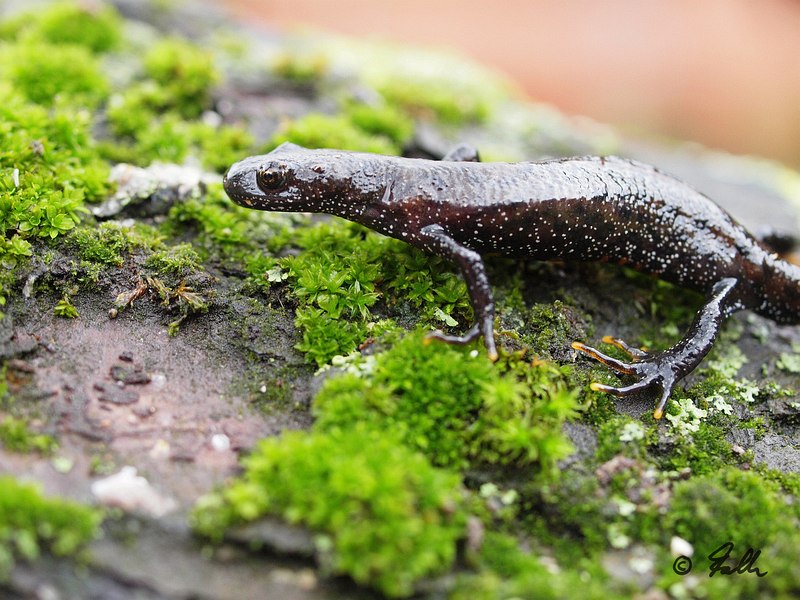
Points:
[(48, 168), (221, 146), (32, 524), (301, 67), (98, 28), (429, 395), (705, 452), (133, 109), (454, 406), (506, 571), (150, 129), (789, 362), (334, 279), (569, 514), (748, 510), (789, 482), (179, 260), (156, 119), (186, 71), (55, 155), (324, 337), (667, 309), (436, 100), (381, 119), (46, 73), (15, 436), (428, 284), (228, 232), (324, 131), (623, 435), (729, 505), (109, 242), (165, 139), (342, 272), (549, 329), (384, 516)]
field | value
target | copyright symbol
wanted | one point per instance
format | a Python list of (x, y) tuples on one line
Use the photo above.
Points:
[(682, 565)]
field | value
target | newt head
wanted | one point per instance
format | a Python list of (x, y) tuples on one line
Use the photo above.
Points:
[(296, 179), (266, 182)]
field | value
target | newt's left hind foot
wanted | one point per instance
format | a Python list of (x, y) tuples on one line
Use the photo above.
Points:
[(652, 370), (663, 370)]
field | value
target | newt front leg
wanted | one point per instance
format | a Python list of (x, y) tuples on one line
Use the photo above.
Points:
[(436, 239), (664, 369)]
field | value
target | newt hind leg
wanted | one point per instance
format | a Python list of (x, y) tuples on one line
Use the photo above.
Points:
[(661, 371)]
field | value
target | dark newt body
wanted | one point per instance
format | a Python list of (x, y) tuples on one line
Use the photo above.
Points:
[(585, 209)]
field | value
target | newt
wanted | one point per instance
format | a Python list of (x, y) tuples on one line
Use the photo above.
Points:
[(584, 209)]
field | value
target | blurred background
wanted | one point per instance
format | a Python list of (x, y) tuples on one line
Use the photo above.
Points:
[(725, 73)]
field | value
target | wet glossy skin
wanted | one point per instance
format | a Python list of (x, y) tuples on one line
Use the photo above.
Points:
[(586, 208)]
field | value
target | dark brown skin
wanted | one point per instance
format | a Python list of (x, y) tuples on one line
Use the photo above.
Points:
[(586, 208)]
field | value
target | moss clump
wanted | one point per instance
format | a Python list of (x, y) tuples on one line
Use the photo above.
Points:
[(436, 100), (185, 71), (45, 73), (15, 436), (729, 505), (454, 406), (341, 273), (228, 233), (749, 511), (301, 68), (32, 524), (180, 260), (109, 242), (58, 167), (383, 120), (506, 571), (149, 134), (335, 279), (98, 28), (156, 118), (48, 169), (623, 435), (323, 131), (704, 451), (385, 515)]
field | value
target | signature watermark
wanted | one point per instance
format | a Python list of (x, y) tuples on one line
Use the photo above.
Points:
[(719, 562)]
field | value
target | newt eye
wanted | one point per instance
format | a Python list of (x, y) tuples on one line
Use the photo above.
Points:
[(272, 177)]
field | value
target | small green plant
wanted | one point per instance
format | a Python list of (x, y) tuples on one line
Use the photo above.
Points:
[(343, 271), (64, 308), (48, 168)]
